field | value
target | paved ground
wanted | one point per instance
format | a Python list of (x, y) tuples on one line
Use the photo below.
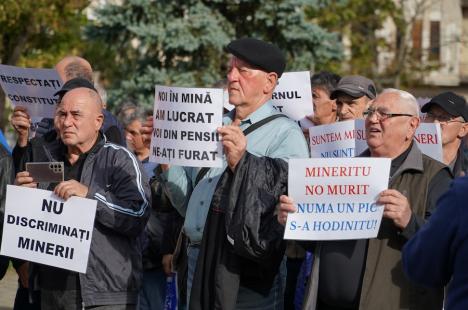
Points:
[(8, 287)]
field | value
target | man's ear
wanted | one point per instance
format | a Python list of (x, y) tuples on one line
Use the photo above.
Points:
[(463, 131), (333, 105), (414, 124), (99, 121), (272, 80)]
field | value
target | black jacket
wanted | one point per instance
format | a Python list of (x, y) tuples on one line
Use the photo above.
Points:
[(242, 242), (114, 178)]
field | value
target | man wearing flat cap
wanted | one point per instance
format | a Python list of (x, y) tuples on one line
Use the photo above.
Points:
[(109, 174), (451, 112), (236, 249), (353, 95)]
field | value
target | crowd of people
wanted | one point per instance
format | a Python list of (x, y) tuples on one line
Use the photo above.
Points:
[(221, 229)]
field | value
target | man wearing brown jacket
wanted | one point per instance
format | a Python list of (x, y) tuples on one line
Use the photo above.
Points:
[(366, 274)]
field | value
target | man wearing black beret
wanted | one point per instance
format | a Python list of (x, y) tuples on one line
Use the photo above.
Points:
[(451, 112), (236, 250)]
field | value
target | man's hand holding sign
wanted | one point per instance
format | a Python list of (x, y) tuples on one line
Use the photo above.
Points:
[(396, 207), (234, 142)]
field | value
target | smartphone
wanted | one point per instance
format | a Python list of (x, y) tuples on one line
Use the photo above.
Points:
[(46, 171)]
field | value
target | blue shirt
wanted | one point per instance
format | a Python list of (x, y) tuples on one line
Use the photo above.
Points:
[(280, 138), (4, 142)]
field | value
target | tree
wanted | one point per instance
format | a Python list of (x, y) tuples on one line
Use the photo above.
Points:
[(37, 33), (181, 43), (358, 21)]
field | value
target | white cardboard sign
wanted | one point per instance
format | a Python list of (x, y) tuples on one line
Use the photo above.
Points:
[(348, 139), (40, 227), (293, 97), (185, 124), (341, 139), (335, 197), (31, 88)]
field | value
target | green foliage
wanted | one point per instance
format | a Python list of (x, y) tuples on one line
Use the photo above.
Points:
[(358, 20), (181, 43), (38, 33)]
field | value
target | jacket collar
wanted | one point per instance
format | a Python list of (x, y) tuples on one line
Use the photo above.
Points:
[(414, 161), (262, 112)]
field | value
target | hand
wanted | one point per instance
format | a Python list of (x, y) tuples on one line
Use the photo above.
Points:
[(146, 131), (285, 207), (23, 179), (234, 142), (167, 264), (23, 274), (69, 188), (21, 122), (396, 207)]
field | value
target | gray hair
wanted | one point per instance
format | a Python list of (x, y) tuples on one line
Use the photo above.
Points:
[(407, 99), (137, 115)]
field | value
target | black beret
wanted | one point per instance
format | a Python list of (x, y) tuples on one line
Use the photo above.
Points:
[(74, 83), (260, 54)]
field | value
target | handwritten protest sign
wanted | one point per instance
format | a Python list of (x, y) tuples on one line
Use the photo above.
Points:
[(185, 123), (335, 197), (42, 228), (348, 139), (293, 97), (31, 88)]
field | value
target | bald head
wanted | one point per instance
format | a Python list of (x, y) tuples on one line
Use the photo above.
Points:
[(406, 101), (78, 119), (72, 67), (89, 97)]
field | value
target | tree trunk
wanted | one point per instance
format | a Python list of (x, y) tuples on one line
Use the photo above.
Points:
[(11, 59)]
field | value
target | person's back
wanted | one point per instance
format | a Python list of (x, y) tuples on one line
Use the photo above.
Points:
[(436, 256)]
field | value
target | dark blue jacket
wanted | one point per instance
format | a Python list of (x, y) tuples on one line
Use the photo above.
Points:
[(438, 254)]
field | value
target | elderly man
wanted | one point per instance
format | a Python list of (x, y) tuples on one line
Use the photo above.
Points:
[(367, 274), (352, 96), (110, 174), (68, 68), (451, 112), (254, 69), (163, 225)]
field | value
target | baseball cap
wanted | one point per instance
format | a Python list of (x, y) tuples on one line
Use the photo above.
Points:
[(75, 83), (355, 86), (450, 102)]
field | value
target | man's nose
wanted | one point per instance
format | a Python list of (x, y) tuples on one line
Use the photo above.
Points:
[(68, 121), (233, 74)]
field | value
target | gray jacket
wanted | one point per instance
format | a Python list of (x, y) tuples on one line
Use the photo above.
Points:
[(114, 178)]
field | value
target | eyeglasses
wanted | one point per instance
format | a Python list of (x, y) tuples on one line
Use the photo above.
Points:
[(382, 116), (443, 119)]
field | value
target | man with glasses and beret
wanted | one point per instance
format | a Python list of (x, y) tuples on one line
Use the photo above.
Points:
[(451, 112), (353, 94), (367, 273)]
